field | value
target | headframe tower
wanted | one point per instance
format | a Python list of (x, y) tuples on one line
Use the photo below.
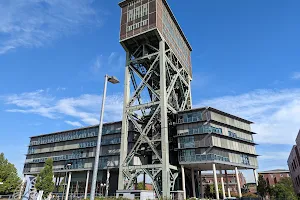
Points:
[(157, 85)]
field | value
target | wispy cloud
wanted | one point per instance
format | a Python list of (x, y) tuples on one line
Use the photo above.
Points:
[(84, 108), (296, 76), (34, 23), (275, 113), (78, 124), (275, 156)]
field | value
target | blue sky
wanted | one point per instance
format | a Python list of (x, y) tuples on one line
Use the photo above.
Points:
[(54, 54)]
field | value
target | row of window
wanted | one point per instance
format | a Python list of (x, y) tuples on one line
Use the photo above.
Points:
[(245, 159), (92, 132), (234, 135), (189, 155), (202, 129), (137, 25), (190, 117), (111, 141), (137, 12), (74, 155), (297, 180), (133, 2), (171, 31), (88, 144), (295, 164)]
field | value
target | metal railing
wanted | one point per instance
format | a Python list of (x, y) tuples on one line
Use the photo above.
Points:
[(206, 157)]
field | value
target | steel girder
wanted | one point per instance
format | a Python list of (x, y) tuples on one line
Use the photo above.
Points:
[(161, 87)]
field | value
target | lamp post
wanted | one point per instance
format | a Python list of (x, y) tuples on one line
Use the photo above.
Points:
[(112, 80)]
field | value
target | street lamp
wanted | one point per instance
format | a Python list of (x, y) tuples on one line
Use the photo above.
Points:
[(112, 80)]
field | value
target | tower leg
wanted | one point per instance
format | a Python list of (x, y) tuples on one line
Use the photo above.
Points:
[(124, 133), (164, 123)]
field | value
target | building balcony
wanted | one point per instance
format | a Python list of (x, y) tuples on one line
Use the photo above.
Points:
[(200, 158)]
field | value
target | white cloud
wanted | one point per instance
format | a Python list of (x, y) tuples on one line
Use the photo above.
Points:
[(275, 113), (34, 23), (96, 66), (78, 124), (84, 108), (274, 156), (296, 76)]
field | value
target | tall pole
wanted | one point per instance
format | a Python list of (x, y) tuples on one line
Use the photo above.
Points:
[(95, 171)]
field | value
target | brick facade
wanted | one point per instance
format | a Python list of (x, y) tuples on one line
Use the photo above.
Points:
[(273, 176)]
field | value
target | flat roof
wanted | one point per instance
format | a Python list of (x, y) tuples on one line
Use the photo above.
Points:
[(77, 129), (123, 3), (218, 111), (275, 171)]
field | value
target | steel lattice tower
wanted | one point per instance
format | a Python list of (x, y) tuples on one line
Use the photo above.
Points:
[(157, 86)]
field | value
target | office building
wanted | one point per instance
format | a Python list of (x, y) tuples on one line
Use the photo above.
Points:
[(160, 135), (272, 177), (294, 165)]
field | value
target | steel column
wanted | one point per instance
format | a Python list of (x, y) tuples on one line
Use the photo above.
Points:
[(107, 182), (238, 182), (68, 186), (216, 182), (222, 183), (86, 184), (124, 134), (255, 176), (183, 181), (193, 182), (164, 122)]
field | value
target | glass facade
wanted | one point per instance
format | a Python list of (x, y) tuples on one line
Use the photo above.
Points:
[(203, 157), (190, 117), (234, 135), (193, 137), (202, 129)]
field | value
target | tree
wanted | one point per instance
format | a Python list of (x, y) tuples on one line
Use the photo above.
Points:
[(207, 193), (8, 176), (45, 179), (140, 186), (262, 187), (284, 189)]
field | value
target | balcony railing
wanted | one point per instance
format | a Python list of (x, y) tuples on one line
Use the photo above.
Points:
[(206, 157), (195, 144)]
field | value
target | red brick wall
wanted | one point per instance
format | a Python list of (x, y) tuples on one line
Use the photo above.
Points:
[(274, 178)]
